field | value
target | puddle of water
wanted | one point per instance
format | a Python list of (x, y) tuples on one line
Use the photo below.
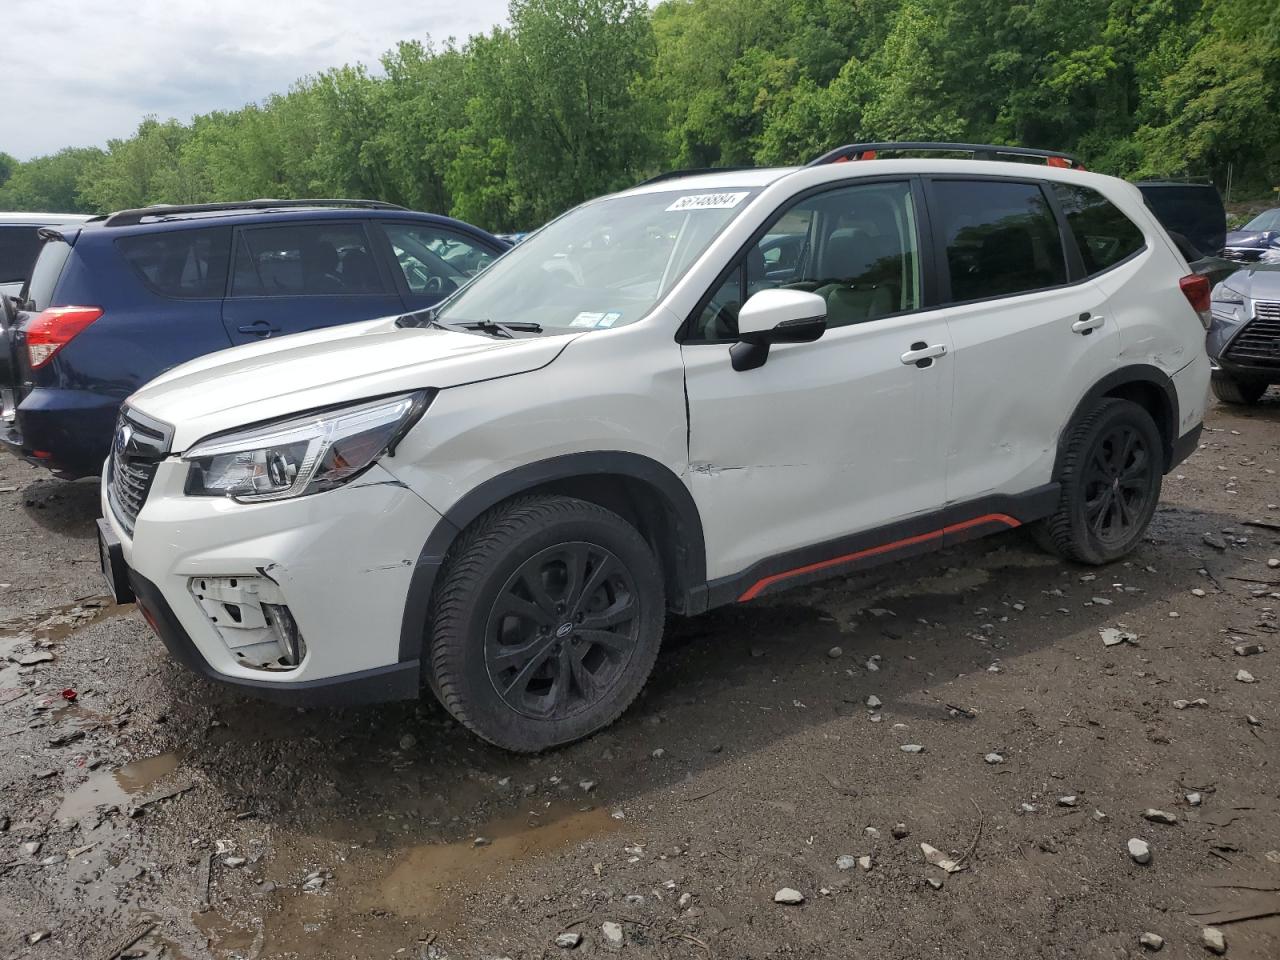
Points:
[(424, 878), (378, 901), (107, 787)]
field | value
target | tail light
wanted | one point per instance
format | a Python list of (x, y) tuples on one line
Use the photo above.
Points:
[(1196, 289), (53, 329)]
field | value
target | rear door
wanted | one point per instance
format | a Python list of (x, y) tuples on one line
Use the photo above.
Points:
[(430, 260), (1029, 335), (302, 275)]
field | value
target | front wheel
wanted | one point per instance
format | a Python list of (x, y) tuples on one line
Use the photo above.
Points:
[(1235, 391), (547, 623), (1110, 477)]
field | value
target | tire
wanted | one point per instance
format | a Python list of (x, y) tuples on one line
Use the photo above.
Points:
[(516, 653), (1112, 451), (1243, 392)]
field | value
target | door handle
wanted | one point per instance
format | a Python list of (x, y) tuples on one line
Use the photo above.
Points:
[(922, 354), (259, 328), (1087, 323)]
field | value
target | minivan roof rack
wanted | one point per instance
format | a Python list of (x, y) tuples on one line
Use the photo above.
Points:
[(688, 172), (980, 151), (127, 218)]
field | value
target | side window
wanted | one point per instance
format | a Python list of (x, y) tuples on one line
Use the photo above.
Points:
[(1104, 235), (305, 259), (19, 247), (433, 259), (191, 264), (854, 246), (39, 290), (1001, 238)]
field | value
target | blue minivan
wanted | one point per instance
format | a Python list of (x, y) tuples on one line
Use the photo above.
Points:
[(117, 300)]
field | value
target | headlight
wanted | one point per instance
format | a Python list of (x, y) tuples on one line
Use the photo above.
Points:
[(301, 455)]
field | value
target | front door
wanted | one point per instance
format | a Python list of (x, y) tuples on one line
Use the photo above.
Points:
[(833, 437)]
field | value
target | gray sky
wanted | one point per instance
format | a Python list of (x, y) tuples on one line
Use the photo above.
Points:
[(78, 73)]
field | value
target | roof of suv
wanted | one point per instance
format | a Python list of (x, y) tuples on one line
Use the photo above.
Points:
[(40, 219), (163, 216)]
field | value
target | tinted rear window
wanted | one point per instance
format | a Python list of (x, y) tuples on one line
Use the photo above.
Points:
[(19, 247), (305, 259), (191, 264), (1002, 238), (44, 275), (1193, 210), (1104, 235)]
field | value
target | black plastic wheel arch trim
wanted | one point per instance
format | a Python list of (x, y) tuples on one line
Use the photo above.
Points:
[(690, 548), (1134, 373)]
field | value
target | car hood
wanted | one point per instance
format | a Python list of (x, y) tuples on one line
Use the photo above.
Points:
[(1252, 238), (262, 381), (1260, 281)]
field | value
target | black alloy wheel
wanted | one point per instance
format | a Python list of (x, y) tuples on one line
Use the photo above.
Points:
[(562, 631), (1118, 484), (1109, 475)]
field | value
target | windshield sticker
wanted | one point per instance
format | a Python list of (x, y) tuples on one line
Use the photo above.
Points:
[(586, 320), (610, 318), (708, 201)]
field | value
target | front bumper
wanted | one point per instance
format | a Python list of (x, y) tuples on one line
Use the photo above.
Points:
[(342, 560)]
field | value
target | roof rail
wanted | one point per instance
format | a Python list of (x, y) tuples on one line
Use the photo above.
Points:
[(690, 172), (127, 218), (980, 151)]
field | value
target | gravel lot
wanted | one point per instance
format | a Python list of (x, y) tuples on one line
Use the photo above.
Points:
[(164, 816)]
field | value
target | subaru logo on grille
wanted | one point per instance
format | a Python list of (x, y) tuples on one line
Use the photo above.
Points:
[(123, 437)]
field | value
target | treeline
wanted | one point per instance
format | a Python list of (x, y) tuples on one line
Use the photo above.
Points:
[(578, 97)]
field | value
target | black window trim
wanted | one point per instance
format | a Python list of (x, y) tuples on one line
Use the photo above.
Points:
[(152, 288), (925, 253), (1070, 248), (389, 288)]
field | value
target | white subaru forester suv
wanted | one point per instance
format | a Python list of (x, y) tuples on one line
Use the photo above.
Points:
[(695, 392)]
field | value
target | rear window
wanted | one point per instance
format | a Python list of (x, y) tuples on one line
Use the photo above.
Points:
[(19, 247), (1002, 238), (305, 259), (190, 264), (44, 275), (1104, 235)]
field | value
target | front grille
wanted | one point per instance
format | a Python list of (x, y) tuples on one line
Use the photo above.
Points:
[(1243, 254), (139, 445), (1258, 343)]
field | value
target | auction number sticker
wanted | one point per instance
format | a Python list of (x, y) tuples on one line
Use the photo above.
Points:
[(708, 201)]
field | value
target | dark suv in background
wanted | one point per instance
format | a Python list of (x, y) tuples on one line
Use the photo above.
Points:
[(116, 301)]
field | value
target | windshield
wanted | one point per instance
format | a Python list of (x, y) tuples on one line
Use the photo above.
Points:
[(1265, 221), (604, 264)]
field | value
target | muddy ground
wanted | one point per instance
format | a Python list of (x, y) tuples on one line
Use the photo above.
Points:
[(160, 809)]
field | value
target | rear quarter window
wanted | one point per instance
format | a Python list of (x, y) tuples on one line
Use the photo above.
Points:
[(19, 247), (1104, 235), (39, 290), (188, 264)]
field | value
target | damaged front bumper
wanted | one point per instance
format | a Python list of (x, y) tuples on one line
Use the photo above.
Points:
[(300, 600)]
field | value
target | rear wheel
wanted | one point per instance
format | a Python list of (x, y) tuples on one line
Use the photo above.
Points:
[(547, 623), (1233, 390), (1111, 475)]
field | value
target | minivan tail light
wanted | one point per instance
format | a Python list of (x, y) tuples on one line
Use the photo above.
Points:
[(53, 329), (1195, 288)]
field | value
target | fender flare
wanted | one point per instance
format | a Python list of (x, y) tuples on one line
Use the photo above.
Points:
[(691, 554), (1143, 373)]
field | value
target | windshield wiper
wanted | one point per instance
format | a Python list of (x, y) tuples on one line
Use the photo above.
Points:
[(508, 330)]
